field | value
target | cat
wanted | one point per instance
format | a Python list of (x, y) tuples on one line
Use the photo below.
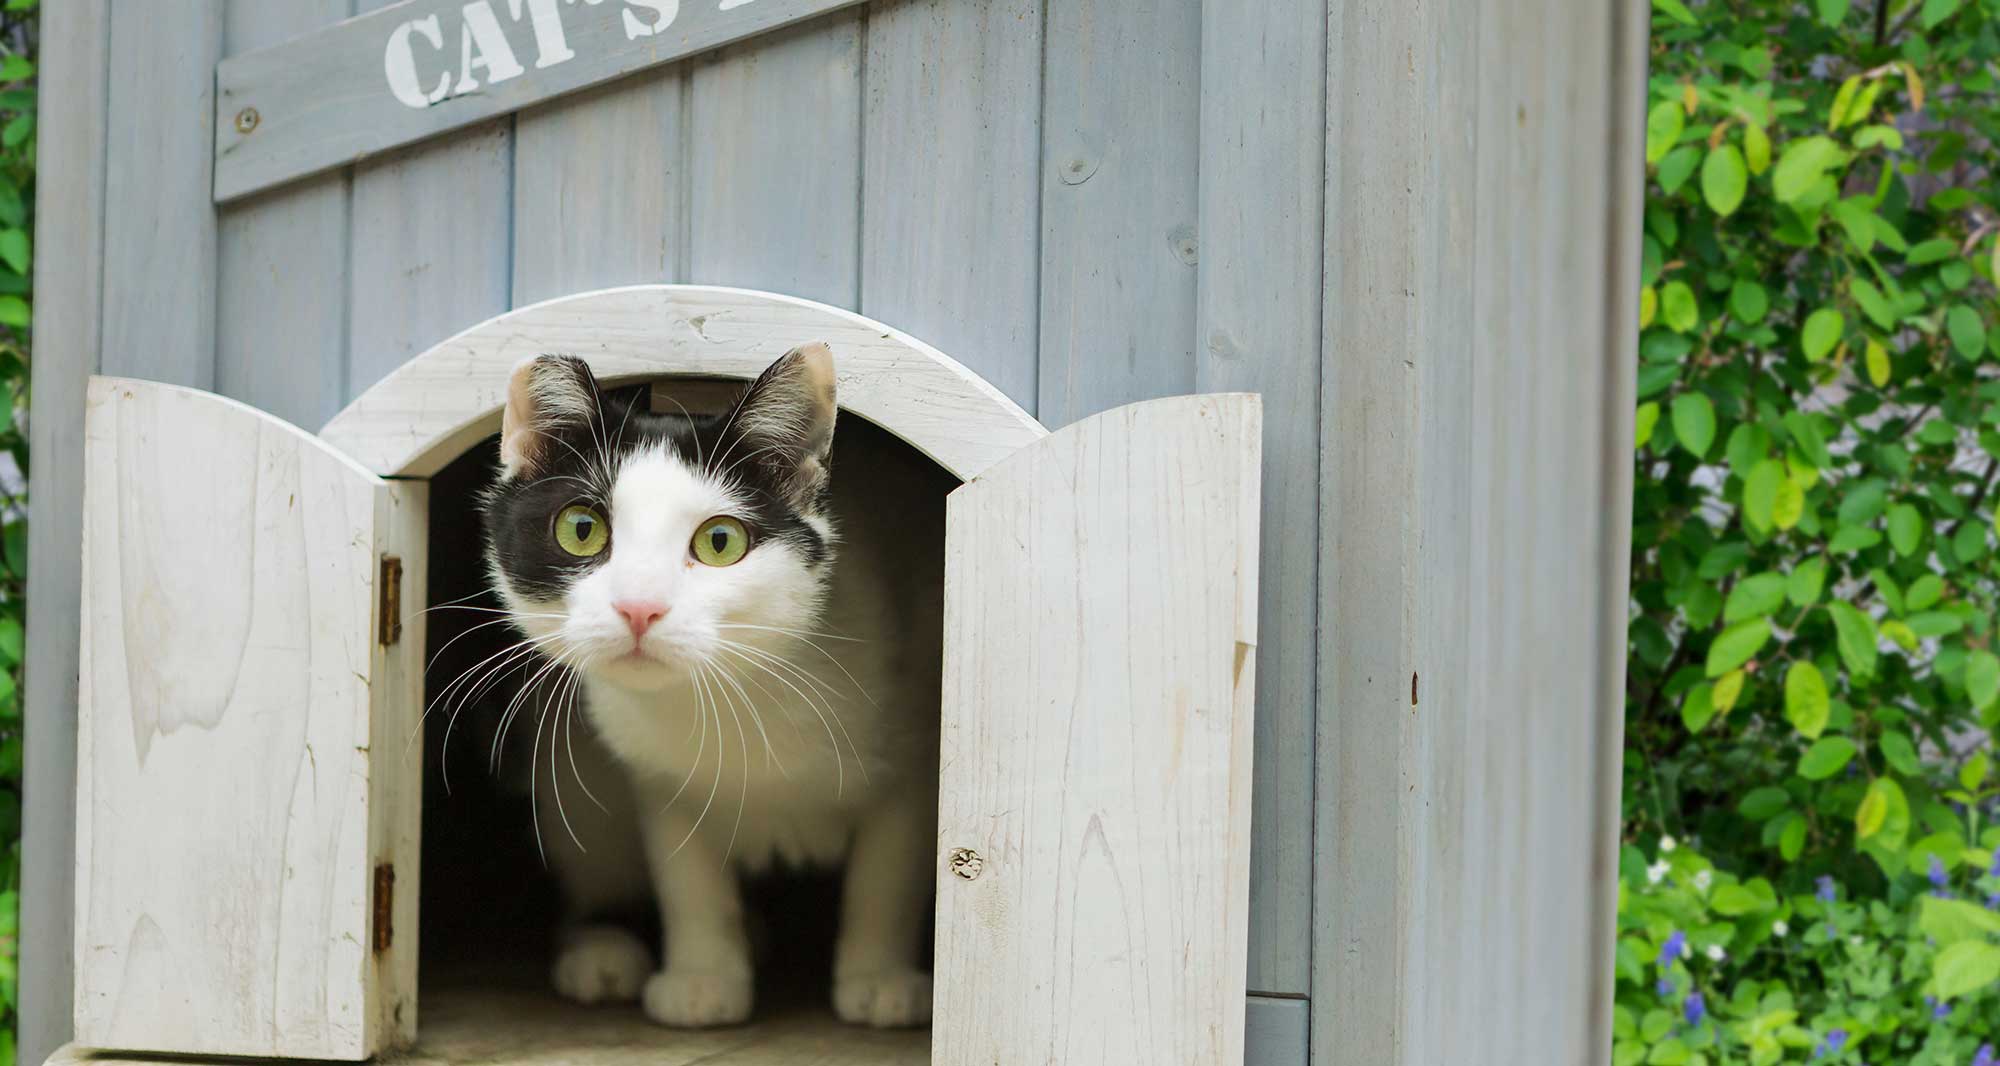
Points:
[(755, 645)]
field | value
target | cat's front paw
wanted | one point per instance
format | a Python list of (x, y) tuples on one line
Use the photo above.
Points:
[(687, 1000), (885, 999), (601, 964)]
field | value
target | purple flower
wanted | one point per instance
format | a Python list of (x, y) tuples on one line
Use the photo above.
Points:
[(1995, 870), (1939, 1011), (1939, 876), (1831, 1043), (1993, 901), (1825, 892), (1694, 1010), (1674, 948), (1984, 1057), (1665, 988)]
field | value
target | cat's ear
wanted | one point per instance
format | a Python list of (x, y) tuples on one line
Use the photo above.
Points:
[(545, 395), (786, 421)]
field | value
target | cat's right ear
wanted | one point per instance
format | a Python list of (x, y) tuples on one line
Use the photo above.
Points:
[(545, 395)]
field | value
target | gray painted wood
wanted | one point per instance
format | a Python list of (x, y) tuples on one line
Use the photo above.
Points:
[(774, 163), (324, 100), (1120, 124), (1474, 497), (280, 341), (1274, 1030), (1257, 312), (598, 189), (431, 248), (951, 192), (159, 230), (75, 52)]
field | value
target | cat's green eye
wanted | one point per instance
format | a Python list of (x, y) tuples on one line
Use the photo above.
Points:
[(721, 541), (582, 531)]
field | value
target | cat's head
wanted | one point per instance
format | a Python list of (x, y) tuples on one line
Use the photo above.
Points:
[(635, 546)]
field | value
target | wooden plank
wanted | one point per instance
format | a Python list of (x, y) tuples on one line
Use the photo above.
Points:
[(330, 98), (431, 409), (951, 192), (774, 163), (1120, 125), (158, 323), (1474, 501), (1257, 311), (431, 248), (1094, 796), (598, 189), (1274, 1030), (281, 330), (75, 53), (228, 806)]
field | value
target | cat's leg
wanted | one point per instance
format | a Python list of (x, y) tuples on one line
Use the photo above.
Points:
[(601, 872), (876, 975), (707, 977)]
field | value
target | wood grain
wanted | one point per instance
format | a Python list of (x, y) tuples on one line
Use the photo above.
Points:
[(69, 215), (230, 812), (1100, 638), (1257, 311), (322, 100), (432, 408), (951, 189)]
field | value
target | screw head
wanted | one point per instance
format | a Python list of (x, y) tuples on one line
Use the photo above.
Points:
[(247, 119), (965, 863)]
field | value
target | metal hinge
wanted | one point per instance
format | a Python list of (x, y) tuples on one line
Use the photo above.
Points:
[(385, 907), (389, 591)]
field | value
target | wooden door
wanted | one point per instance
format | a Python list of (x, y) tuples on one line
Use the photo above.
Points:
[(247, 795), (1094, 811)]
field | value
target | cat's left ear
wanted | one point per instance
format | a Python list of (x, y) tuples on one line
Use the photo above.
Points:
[(786, 420), (545, 395)]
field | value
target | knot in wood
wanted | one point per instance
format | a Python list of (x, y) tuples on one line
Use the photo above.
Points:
[(965, 863)]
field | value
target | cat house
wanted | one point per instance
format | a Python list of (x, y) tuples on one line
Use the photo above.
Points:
[(1282, 355)]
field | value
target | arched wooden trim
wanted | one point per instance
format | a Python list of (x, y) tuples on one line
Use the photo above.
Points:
[(432, 408)]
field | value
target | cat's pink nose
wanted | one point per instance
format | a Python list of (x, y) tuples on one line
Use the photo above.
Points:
[(640, 614)]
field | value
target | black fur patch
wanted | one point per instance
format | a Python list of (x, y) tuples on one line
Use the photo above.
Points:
[(581, 466)]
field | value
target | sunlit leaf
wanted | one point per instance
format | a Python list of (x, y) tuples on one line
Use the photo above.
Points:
[(1806, 699)]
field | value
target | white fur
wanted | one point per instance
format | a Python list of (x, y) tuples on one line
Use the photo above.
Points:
[(791, 745)]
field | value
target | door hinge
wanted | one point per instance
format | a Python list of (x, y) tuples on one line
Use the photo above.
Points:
[(385, 907), (389, 592)]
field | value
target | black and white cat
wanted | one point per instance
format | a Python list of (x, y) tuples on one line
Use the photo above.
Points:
[(757, 645)]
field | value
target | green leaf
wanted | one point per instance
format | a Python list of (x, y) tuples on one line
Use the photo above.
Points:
[(1763, 804), (1924, 592), (1678, 166), (1849, 539), (1728, 688), (1906, 528), (14, 250), (1982, 678), (1735, 901), (1790, 505), (1968, 333), (1973, 774), (1822, 331), (1827, 756), (1792, 840), (1760, 493), (1935, 624), (1643, 422), (1949, 921), (1756, 148), (1836, 113), (1736, 644), (1801, 166), (1935, 250), (1855, 638), (1748, 302), (1936, 11), (1724, 179), (1964, 968), (1678, 308), (1807, 578), (1832, 12), (1754, 597), (1694, 422), (1873, 813), (1900, 753), (1806, 700), (1872, 302), (1675, 10), (1805, 433), (1698, 707), (1858, 222), (1664, 124)]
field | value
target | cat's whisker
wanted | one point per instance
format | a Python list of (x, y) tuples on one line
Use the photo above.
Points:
[(828, 695), (743, 743), (713, 787), (813, 702), (569, 735), (791, 632), (790, 718), (507, 718), (555, 779), (700, 748), (756, 719), (808, 642)]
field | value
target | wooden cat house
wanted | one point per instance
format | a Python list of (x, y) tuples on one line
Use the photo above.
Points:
[(1291, 339)]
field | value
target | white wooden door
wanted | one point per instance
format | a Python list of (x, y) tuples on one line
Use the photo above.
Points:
[(247, 799), (1094, 810)]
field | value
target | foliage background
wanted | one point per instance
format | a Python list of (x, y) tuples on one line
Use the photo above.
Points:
[(17, 199), (1810, 800)]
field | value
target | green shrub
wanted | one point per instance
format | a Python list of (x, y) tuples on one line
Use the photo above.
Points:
[(1813, 686), (17, 201)]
